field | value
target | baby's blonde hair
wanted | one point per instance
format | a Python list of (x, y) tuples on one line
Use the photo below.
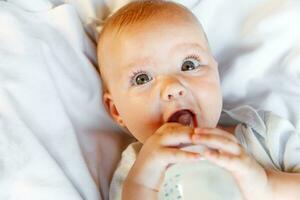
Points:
[(139, 12)]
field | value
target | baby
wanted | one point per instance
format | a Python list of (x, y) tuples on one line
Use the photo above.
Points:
[(161, 84)]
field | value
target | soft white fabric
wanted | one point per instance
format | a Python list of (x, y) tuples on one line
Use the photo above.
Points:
[(271, 140), (49, 105), (49, 94)]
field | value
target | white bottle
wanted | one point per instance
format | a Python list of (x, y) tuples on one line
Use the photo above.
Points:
[(198, 181)]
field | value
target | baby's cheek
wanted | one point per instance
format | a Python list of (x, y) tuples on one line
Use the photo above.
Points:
[(210, 107), (141, 125)]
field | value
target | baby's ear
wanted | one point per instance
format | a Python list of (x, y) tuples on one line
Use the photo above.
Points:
[(111, 109)]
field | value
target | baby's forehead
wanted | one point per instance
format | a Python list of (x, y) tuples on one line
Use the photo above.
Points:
[(121, 33), (155, 33), (137, 36), (137, 39)]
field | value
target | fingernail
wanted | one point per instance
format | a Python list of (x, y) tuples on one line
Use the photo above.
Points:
[(197, 155), (197, 130), (196, 137)]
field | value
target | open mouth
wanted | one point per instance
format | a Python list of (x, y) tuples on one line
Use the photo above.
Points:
[(185, 117)]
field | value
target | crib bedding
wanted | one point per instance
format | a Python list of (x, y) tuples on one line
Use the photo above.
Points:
[(50, 99)]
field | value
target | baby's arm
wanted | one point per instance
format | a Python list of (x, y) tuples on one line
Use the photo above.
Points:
[(157, 153), (284, 185)]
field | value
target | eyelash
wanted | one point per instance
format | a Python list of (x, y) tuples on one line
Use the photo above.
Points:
[(194, 56), (133, 75)]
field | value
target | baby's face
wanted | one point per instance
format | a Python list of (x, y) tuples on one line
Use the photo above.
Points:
[(155, 69)]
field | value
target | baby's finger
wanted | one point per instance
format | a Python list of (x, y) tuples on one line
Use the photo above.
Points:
[(175, 155), (226, 160), (244, 168), (217, 142), (175, 134), (216, 131)]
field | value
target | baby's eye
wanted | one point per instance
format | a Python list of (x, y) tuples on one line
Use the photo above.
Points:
[(141, 78), (190, 64)]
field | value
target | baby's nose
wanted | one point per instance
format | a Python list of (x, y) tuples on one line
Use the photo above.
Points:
[(173, 91)]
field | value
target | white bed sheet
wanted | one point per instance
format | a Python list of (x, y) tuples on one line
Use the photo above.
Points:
[(49, 90), (49, 104)]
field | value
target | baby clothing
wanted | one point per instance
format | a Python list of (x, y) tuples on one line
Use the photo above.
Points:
[(270, 139)]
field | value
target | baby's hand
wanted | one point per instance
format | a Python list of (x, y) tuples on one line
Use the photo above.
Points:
[(225, 151), (158, 152)]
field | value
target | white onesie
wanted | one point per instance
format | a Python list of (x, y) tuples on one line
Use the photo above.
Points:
[(268, 138)]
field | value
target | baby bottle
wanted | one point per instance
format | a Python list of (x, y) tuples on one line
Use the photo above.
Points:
[(198, 181)]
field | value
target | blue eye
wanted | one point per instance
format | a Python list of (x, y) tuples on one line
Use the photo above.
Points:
[(190, 64), (140, 78)]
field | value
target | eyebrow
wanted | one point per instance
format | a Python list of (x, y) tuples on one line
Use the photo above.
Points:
[(128, 69), (192, 45)]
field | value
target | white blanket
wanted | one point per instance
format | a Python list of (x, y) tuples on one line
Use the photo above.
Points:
[(49, 105), (50, 100)]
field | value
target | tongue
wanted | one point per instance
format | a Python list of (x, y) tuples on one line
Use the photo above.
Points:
[(185, 119)]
